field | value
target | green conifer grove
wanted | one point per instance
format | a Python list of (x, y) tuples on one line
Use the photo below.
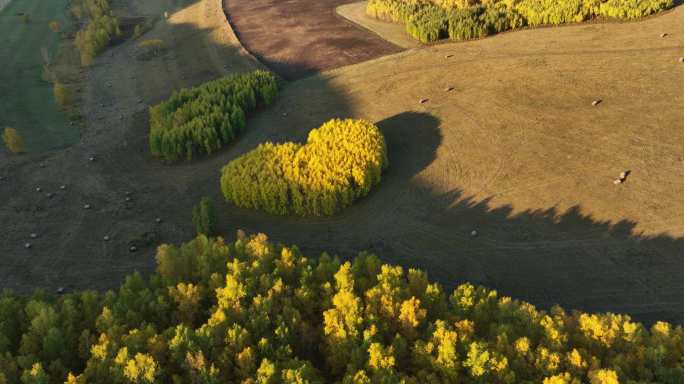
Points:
[(203, 119)]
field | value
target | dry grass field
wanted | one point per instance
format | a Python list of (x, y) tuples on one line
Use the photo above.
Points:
[(507, 144)]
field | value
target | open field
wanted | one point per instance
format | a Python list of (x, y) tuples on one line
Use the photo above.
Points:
[(515, 151), (27, 101), (299, 38)]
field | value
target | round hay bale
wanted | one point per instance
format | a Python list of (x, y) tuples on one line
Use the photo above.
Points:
[(663, 35), (105, 238), (49, 195), (86, 206), (158, 220), (38, 189), (617, 181), (423, 101), (27, 245), (133, 248), (60, 290), (128, 198), (681, 59), (33, 235), (62, 187), (596, 102), (473, 233)]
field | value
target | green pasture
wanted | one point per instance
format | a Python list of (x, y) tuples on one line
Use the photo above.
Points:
[(26, 101)]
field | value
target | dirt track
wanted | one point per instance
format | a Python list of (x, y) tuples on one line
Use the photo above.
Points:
[(515, 151)]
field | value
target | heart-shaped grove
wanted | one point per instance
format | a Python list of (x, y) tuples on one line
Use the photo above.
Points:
[(340, 162)]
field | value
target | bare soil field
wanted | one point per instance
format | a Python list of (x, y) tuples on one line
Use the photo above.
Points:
[(507, 144), (298, 38)]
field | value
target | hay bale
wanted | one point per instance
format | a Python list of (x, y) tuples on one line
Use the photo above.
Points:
[(105, 238), (423, 101), (38, 189), (60, 290), (473, 233), (86, 206), (596, 102), (27, 245), (681, 59), (62, 187), (132, 248), (49, 195), (158, 220), (663, 35), (617, 181)]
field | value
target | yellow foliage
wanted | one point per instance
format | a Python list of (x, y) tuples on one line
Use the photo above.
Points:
[(13, 140), (522, 345), (603, 376), (379, 357), (141, 369), (151, 43), (563, 378), (575, 359), (340, 163), (62, 95), (411, 315)]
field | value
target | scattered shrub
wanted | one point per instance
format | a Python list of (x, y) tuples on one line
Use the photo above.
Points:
[(339, 163), (204, 217), (255, 312), (151, 47), (466, 19), (55, 26), (62, 95), (137, 31), (204, 118), (13, 140)]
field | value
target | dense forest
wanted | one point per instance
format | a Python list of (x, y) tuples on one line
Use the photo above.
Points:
[(466, 19), (340, 162), (255, 312), (203, 119)]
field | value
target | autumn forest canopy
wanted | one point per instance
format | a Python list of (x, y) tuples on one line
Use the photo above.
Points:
[(429, 21), (252, 311)]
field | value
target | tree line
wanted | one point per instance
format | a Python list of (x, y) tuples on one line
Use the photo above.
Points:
[(255, 312), (202, 119), (340, 162), (100, 27), (429, 21)]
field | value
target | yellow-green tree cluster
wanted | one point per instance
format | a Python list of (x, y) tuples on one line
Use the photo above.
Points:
[(100, 27), (340, 162), (466, 19), (254, 312), (204, 118)]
